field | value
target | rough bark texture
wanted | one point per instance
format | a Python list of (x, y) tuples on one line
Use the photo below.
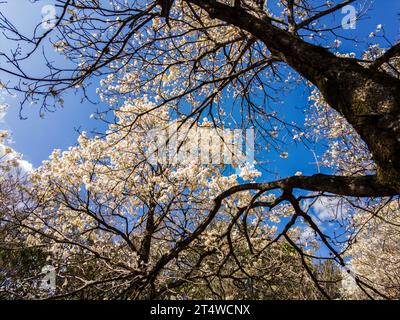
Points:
[(367, 98)]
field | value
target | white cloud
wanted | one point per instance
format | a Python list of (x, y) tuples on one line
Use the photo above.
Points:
[(328, 208), (7, 153), (25, 166)]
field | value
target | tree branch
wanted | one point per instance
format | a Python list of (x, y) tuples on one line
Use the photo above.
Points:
[(363, 186)]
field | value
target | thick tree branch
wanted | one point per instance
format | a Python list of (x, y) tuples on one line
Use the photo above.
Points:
[(363, 186)]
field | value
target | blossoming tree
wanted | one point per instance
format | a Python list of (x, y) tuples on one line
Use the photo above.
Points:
[(227, 60)]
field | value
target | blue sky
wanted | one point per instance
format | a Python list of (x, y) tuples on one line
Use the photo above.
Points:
[(35, 137)]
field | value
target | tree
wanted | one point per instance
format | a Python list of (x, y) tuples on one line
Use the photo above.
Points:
[(208, 57)]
